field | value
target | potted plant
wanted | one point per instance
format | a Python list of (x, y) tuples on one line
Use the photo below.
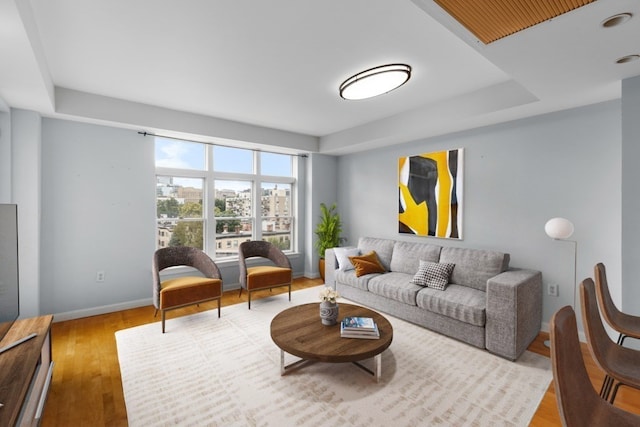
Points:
[(328, 231)]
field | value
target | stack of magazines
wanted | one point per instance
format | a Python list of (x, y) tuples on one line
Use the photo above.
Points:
[(359, 327)]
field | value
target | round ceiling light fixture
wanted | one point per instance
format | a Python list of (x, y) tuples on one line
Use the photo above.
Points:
[(616, 20), (628, 58), (375, 81)]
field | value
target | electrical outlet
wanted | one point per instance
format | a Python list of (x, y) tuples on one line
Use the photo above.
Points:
[(552, 289), (100, 276)]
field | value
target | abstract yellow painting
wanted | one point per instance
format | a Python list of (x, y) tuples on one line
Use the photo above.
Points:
[(430, 194)]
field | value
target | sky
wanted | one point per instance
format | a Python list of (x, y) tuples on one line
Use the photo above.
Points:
[(179, 154)]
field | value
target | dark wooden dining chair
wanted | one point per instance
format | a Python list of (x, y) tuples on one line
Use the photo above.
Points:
[(185, 290), (625, 324), (578, 403), (620, 363), (277, 273)]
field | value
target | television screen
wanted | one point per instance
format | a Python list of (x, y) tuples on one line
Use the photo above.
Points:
[(9, 302)]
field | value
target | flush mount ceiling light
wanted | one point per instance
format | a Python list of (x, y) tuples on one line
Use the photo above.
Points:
[(375, 81), (628, 58), (616, 20)]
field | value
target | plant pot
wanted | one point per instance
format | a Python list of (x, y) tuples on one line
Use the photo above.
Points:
[(321, 268)]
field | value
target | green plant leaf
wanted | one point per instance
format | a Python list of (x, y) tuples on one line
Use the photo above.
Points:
[(328, 229)]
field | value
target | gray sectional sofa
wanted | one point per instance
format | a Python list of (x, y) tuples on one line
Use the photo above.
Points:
[(486, 303)]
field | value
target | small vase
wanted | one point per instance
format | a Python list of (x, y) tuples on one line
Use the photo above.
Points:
[(328, 313)]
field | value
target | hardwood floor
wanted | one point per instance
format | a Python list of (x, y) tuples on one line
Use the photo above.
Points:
[(86, 389)]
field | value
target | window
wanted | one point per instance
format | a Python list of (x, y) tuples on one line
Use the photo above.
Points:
[(237, 160), (276, 216), (179, 154), (276, 164), (234, 215), (214, 197), (179, 211)]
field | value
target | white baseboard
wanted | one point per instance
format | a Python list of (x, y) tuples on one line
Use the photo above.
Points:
[(311, 275), (94, 311)]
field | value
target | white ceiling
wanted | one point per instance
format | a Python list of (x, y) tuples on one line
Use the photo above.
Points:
[(278, 63)]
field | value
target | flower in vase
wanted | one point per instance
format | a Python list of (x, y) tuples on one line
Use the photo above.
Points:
[(328, 294)]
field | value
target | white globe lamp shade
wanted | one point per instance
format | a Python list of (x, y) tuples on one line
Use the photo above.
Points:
[(559, 228)]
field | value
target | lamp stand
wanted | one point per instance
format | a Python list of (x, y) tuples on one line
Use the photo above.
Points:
[(547, 343)]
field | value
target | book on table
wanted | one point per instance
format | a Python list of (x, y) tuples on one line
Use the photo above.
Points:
[(356, 323), (367, 334)]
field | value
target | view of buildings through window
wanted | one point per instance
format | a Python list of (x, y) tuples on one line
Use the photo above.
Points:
[(214, 197)]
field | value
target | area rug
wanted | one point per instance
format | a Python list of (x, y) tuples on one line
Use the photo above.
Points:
[(206, 371)]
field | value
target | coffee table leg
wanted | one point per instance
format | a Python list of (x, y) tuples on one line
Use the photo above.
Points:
[(285, 369), (376, 373), (377, 368)]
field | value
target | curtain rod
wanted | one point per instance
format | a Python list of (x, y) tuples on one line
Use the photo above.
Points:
[(143, 133)]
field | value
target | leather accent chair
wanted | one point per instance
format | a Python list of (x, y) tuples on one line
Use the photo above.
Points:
[(578, 402), (187, 290), (277, 273), (620, 363)]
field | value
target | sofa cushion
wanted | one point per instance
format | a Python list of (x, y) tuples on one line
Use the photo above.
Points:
[(406, 256), (367, 264), (395, 286), (474, 266), (349, 278), (342, 256), (457, 301), (433, 275), (383, 247)]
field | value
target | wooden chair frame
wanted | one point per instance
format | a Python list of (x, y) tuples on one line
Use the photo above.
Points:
[(620, 363), (578, 403)]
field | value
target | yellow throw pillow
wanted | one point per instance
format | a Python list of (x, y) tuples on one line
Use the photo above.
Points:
[(367, 264)]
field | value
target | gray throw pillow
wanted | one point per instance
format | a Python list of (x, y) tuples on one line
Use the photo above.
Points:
[(342, 255)]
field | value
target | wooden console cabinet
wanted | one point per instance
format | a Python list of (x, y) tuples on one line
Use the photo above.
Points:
[(25, 372)]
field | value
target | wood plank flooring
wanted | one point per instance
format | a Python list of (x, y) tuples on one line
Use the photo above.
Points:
[(86, 389)]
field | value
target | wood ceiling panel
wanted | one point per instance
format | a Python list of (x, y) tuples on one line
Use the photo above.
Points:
[(490, 20)]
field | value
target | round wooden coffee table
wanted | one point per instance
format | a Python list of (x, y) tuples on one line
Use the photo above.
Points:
[(299, 331)]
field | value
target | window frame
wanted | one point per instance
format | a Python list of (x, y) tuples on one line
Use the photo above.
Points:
[(256, 179)]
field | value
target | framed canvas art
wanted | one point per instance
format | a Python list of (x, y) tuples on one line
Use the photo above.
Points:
[(430, 194)]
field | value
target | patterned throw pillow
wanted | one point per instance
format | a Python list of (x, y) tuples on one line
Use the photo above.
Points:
[(433, 275), (367, 264)]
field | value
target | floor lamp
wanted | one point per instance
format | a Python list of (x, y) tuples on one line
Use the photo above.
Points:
[(562, 229)]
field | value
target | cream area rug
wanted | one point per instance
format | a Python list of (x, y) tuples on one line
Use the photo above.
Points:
[(206, 371)]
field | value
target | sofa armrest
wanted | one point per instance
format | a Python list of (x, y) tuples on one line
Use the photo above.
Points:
[(514, 311), (330, 266)]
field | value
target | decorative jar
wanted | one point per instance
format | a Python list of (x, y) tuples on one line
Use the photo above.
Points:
[(328, 312)]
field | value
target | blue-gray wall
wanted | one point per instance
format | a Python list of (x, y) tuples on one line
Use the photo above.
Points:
[(321, 188), (97, 214), (630, 196), (25, 191), (516, 176), (85, 204)]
